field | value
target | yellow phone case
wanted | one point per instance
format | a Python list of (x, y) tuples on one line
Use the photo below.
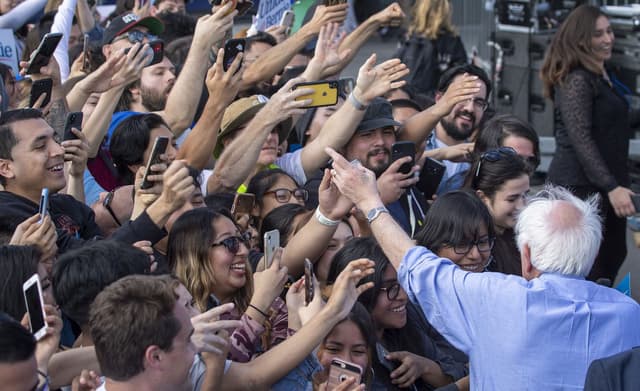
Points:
[(325, 93)]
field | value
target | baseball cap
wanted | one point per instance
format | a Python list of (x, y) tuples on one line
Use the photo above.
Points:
[(378, 115), (125, 22), (240, 113)]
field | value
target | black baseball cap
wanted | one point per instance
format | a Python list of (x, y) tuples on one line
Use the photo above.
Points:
[(125, 22), (378, 115)]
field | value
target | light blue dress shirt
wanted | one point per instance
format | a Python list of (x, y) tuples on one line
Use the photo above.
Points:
[(521, 335)]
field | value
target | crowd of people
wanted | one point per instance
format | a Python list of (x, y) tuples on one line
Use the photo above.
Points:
[(433, 269)]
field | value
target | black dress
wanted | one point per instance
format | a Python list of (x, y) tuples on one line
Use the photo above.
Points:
[(592, 133)]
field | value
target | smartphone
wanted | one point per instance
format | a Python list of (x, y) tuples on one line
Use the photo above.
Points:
[(44, 203), (41, 56), (271, 243), (309, 288), (231, 49), (345, 86), (157, 47), (159, 147), (636, 202), (287, 20), (74, 120), (401, 149), (430, 177), (243, 204), (325, 92), (340, 371), (39, 87), (35, 306), (215, 3), (86, 63)]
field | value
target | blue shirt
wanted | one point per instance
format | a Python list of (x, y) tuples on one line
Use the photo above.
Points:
[(454, 173), (521, 335)]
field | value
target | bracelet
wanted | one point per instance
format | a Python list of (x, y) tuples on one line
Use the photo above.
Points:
[(259, 310), (324, 220), (356, 103)]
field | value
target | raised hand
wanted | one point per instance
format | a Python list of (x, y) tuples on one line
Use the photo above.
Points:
[(76, 152), (331, 202), (390, 16), (324, 15), (460, 90), (42, 235), (326, 53), (268, 284), (87, 381), (177, 185), (207, 327), (224, 85), (376, 80), (283, 104), (213, 27), (346, 290), (355, 182)]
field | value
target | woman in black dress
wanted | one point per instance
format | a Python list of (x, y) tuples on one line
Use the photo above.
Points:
[(592, 127)]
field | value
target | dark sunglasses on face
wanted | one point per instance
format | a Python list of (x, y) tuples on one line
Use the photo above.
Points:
[(107, 205), (232, 243), (494, 155), (392, 291), (135, 36), (284, 195)]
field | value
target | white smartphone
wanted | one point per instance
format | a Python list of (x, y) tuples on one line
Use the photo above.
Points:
[(271, 243), (44, 204), (35, 306)]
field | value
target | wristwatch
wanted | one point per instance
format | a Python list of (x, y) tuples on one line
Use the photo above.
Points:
[(375, 212)]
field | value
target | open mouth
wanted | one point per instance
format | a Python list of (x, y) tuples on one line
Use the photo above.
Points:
[(239, 267), (472, 267), (400, 309), (57, 168)]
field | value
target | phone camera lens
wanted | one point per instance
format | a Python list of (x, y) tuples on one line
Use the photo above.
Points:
[(342, 378)]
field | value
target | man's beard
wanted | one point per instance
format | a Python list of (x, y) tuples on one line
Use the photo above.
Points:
[(152, 100), (455, 132), (382, 167)]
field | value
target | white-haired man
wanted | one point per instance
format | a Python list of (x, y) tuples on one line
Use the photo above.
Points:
[(539, 332)]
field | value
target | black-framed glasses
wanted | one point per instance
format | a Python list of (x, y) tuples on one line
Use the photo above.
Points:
[(494, 155), (135, 36), (484, 244), (107, 205), (284, 195), (232, 243), (392, 291), (479, 103)]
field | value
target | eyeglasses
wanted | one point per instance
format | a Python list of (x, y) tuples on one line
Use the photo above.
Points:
[(107, 205), (232, 243), (392, 290), (284, 195), (484, 244), (494, 155), (135, 36), (478, 103)]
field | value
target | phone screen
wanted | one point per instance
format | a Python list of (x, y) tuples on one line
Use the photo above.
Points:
[(34, 308), (159, 147)]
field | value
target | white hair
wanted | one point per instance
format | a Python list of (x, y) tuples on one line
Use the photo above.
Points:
[(567, 247)]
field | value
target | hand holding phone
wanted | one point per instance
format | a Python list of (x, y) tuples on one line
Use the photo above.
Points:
[(430, 177), (341, 370), (286, 20), (231, 49), (159, 147), (32, 292)]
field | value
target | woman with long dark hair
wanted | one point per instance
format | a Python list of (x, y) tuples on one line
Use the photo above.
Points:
[(592, 127)]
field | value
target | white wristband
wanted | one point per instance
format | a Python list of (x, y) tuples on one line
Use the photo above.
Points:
[(324, 220), (356, 103)]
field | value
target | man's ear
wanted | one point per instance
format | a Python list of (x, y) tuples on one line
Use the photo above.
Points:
[(6, 168), (106, 50), (525, 262), (153, 357)]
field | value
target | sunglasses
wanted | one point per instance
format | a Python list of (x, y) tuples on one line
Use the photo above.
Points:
[(392, 291), (135, 36), (284, 195), (107, 205), (494, 155), (232, 243)]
